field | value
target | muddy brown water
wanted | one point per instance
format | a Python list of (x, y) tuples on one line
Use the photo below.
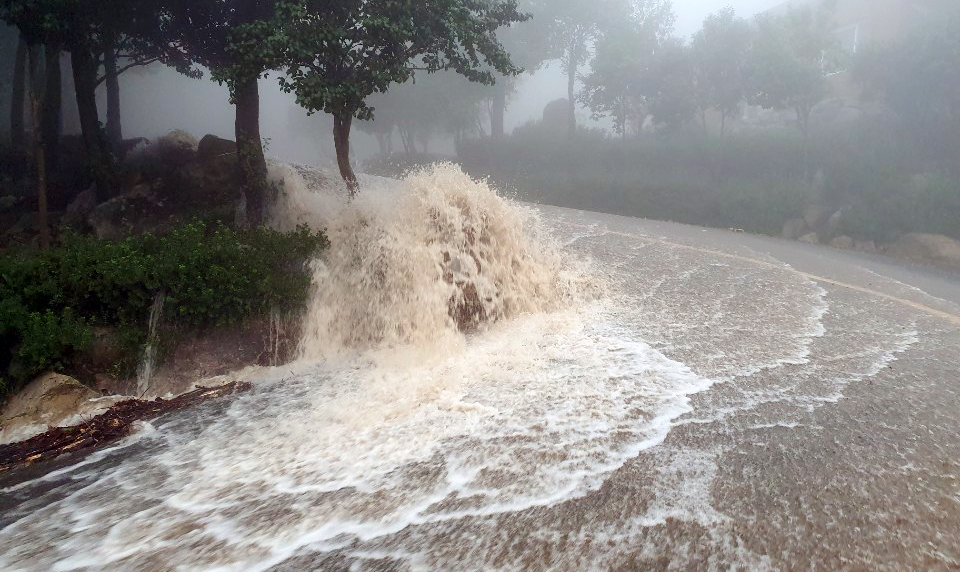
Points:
[(727, 402)]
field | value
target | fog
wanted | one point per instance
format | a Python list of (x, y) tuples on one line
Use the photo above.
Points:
[(715, 112)]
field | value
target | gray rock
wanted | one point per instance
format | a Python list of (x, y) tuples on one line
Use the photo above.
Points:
[(844, 242), (80, 208), (810, 238), (49, 400), (927, 247), (212, 146), (136, 212)]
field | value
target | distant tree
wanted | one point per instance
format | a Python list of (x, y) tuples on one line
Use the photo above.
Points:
[(668, 85), (624, 57), (721, 52), (790, 60), (574, 27), (529, 47), (919, 78), (337, 54)]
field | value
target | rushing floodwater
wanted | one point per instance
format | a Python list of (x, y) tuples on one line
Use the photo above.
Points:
[(534, 442)]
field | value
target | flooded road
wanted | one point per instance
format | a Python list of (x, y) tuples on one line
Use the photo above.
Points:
[(717, 401)]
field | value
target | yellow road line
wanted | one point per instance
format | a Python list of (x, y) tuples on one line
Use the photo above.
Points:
[(952, 318)]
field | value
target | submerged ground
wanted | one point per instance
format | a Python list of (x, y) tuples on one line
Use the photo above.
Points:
[(729, 401)]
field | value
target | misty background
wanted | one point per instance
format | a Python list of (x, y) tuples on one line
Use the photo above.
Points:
[(834, 121)]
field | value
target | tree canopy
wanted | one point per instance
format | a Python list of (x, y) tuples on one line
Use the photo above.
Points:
[(337, 54)]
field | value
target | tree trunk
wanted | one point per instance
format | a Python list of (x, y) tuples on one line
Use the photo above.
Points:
[(571, 86), (498, 110), (37, 87), (253, 165), (85, 84), (51, 118), (18, 135), (112, 80), (341, 140)]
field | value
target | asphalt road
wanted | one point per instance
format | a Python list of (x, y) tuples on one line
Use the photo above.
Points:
[(846, 458)]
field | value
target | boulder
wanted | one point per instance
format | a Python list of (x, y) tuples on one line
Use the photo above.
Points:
[(555, 114), (844, 242), (136, 212), (80, 208), (794, 228), (212, 146), (810, 238), (175, 148), (50, 400), (934, 248)]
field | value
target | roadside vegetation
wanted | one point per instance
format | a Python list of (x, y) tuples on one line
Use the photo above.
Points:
[(209, 274)]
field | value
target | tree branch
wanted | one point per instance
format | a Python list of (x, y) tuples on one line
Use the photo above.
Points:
[(128, 66)]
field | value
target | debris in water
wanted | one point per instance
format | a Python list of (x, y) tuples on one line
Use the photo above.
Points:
[(107, 427)]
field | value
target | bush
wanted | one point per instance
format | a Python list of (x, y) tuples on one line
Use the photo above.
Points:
[(754, 180), (211, 275)]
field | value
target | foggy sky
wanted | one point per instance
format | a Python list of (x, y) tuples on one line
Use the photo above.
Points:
[(158, 100), (550, 83)]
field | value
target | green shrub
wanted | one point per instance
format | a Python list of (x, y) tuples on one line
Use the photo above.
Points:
[(211, 275)]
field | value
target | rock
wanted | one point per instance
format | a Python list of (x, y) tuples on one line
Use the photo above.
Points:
[(50, 400), (794, 228), (206, 184), (927, 247), (868, 246), (7, 203), (810, 238), (212, 146), (844, 242), (175, 148), (555, 115), (136, 212), (80, 209)]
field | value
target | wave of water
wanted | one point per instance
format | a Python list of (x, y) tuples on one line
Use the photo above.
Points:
[(457, 364)]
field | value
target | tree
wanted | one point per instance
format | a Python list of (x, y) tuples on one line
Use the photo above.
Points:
[(238, 41), (790, 61), (83, 28), (721, 51), (624, 56), (668, 85), (17, 96), (339, 53), (574, 26), (919, 79)]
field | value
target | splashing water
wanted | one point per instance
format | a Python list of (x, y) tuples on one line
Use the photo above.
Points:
[(420, 265), (460, 373), (148, 359)]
